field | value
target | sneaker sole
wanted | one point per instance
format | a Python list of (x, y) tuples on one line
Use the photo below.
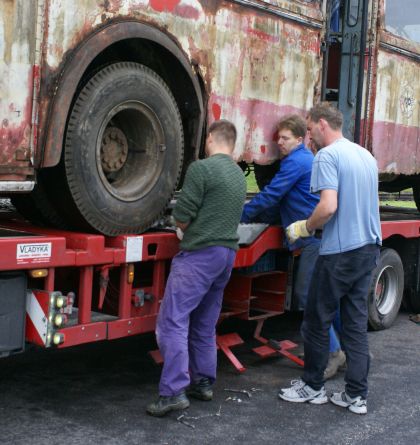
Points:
[(316, 401), (349, 406), (359, 411)]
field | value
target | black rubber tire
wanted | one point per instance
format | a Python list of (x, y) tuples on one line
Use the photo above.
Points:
[(135, 101), (265, 173), (416, 195), (411, 301), (26, 207), (386, 290), (37, 206)]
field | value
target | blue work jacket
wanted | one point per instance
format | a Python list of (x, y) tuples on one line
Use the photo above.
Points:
[(288, 192)]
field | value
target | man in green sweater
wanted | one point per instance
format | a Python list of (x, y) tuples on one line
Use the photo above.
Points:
[(208, 213)]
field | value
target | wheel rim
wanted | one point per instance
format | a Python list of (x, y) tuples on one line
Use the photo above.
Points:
[(386, 290), (130, 150)]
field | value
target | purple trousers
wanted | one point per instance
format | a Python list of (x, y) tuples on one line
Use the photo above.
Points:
[(186, 324)]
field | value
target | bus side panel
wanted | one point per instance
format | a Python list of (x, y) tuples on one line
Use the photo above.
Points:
[(17, 48), (395, 135), (256, 65)]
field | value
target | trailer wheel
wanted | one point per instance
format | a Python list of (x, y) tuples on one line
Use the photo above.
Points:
[(386, 291), (123, 152)]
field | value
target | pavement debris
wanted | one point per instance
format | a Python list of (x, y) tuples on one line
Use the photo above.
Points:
[(243, 391), (185, 420)]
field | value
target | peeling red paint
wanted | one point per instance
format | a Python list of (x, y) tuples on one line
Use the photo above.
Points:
[(262, 35), (217, 111), (386, 136), (164, 5), (259, 119), (15, 140), (187, 12)]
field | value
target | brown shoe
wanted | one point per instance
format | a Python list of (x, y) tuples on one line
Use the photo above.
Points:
[(336, 361)]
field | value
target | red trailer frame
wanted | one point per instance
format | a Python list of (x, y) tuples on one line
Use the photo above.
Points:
[(106, 266)]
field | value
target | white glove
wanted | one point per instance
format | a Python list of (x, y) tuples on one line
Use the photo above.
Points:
[(297, 230), (179, 233)]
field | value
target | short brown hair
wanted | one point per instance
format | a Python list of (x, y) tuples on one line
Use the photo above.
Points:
[(223, 131), (293, 122), (324, 110)]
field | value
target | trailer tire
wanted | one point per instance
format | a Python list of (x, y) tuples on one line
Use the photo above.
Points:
[(123, 152), (386, 290)]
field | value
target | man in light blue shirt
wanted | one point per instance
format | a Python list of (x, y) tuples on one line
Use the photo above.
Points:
[(346, 176)]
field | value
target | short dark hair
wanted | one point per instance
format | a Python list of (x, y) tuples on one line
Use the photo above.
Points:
[(324, 110), (293, 122), (223, 131)]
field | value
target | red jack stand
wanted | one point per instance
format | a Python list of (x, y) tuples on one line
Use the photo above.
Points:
[(224, 343), (274, 347)]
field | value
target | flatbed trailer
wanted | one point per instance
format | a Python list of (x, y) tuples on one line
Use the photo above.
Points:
[(61, 289)]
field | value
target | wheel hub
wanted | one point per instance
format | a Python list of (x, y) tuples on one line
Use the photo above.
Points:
[(114, 149)]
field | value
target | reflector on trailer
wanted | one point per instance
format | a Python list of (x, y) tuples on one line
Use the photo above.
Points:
[(130, 273), (38, 273)]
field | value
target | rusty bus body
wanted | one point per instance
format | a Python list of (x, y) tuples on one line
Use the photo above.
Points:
[(249, 61)]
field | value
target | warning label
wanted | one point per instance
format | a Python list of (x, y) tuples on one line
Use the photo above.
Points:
[(33, 252)]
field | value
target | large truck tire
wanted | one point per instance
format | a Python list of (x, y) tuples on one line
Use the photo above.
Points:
[(37, 207), (265, 173), (386, 290), (123, 152)]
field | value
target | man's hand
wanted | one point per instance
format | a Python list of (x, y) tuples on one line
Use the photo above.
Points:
[(297, 230)]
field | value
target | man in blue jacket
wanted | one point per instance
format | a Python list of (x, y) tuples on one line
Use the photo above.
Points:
[(289, 194)]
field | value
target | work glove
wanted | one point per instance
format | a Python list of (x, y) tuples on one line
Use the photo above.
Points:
[(297, 230), (179, 233)]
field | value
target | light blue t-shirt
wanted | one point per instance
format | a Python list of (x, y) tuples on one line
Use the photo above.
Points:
[(351, 170)]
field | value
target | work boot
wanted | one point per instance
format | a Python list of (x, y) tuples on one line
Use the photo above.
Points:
[(336, 360), (165, 404), (201, 390)]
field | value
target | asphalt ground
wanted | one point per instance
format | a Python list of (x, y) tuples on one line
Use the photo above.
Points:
[(97, 394)]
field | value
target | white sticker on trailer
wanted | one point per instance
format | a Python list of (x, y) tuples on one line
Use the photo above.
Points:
[(33, 252), (134, 249)]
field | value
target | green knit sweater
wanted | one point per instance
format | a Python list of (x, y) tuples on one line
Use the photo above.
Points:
[(211, 201)]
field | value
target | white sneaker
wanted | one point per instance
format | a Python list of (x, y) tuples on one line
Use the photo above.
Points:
[(297, 384), (356, 405), (301, 392)]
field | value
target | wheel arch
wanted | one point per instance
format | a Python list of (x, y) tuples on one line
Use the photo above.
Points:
[(135, 42)]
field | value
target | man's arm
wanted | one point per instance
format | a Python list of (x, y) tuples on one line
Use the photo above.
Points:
[(273, 193), (325, 209), (190, 198)]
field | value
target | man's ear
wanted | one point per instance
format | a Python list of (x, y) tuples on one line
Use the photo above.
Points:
[(323, 124)]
